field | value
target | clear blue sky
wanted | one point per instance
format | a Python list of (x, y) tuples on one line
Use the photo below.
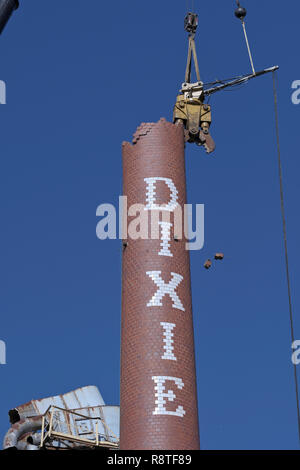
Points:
[(80, 78)]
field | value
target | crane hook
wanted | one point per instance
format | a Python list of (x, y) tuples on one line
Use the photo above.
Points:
[(240, 12)]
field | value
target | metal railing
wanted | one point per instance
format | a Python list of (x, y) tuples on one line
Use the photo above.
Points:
[(70, 427)]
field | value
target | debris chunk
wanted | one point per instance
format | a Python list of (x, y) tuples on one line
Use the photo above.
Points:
[(207, 264), (219, 256)]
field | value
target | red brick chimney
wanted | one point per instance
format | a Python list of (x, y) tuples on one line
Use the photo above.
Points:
[(158, 380)]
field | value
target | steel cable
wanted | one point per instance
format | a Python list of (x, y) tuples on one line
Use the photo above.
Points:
[(285, 244)]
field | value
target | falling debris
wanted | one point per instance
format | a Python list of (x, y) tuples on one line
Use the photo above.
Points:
[(207, 264)]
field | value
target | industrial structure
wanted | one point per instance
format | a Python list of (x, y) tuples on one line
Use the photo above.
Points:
[(158, 382), (75, 420), (158, 402)]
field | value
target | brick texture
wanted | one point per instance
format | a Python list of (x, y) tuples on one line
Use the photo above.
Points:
[(158, 381)]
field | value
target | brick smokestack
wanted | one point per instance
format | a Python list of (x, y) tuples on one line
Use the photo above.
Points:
[(158, 381)]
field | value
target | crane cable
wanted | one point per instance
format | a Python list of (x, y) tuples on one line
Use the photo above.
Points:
[(285, 243), (241, 13), (192, 52), (190, 3), (248, 47)]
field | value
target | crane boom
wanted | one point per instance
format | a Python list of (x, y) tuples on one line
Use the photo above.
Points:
[(237, 81)]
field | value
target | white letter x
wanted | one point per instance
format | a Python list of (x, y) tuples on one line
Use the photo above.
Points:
[(164, 289)]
